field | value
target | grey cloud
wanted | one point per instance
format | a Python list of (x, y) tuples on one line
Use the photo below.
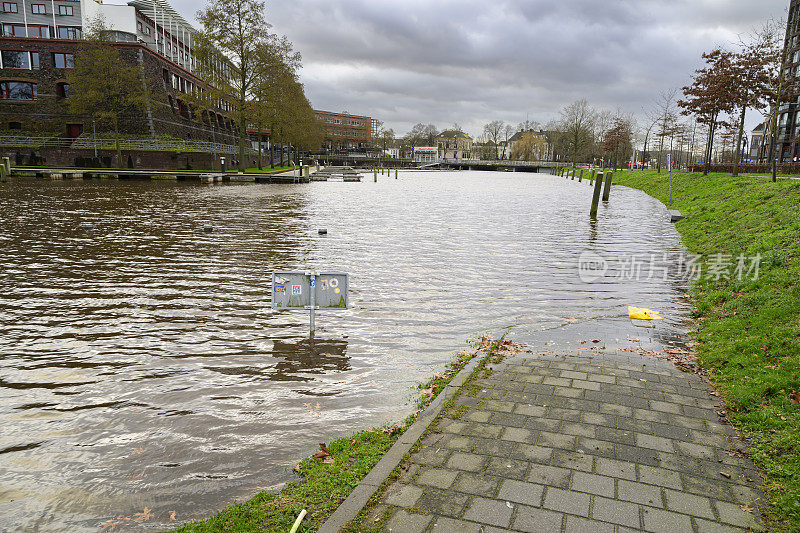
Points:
[(469, 61)]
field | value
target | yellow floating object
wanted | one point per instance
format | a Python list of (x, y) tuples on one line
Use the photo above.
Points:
[(637, 313)]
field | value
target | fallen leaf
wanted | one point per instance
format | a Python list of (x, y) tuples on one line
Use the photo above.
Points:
[(795, 398), (328, 460), (137, 451), (172, 515), (297, 467), (143, 516), (322, 453), (725, 474), (429, 391), (746, 508)]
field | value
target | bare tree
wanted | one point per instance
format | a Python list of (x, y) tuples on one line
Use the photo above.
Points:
[(577, 125), (492, 132)]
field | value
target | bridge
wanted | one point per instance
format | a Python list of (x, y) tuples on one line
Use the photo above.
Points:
[(456, 164)]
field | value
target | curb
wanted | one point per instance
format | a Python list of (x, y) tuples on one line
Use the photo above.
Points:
[(361, 494)]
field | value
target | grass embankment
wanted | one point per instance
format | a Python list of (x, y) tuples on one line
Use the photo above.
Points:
[(748, 331), (325, 483), (264, 170)]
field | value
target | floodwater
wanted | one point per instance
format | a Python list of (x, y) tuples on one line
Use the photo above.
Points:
[(141, 366)]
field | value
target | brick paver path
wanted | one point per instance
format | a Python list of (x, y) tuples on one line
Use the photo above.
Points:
[(578, 444)]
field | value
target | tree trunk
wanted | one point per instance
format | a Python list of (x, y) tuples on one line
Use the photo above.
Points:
[(739, 144), (242, 137), (710, 147), (260, 142)]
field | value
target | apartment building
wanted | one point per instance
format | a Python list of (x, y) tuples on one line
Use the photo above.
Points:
[(344, 131)]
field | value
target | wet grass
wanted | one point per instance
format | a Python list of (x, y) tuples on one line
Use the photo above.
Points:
[(323, 486), (748, 330)]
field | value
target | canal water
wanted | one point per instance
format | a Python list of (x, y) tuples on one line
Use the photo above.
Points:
[(141, 366)]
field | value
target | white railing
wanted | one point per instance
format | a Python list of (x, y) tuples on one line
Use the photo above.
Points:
[(152, 145)]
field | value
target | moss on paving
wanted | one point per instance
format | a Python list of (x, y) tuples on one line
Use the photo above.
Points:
[(324, 486), (748, 331)]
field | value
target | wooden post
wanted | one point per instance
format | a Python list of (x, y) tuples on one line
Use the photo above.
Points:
[(573, 173), (395, 173), (580, 178), (596, 195), (376, 175), (607, 189), (3, 172), (591, 179)]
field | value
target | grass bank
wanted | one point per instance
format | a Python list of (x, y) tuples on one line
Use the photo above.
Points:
[(326, 481), (748, 330)]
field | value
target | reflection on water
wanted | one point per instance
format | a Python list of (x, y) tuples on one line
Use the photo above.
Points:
[(142, 366)]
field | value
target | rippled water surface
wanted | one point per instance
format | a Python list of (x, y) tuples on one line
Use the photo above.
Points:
[(141, 364)]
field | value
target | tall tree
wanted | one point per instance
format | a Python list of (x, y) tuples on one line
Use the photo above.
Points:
[(577, 127), (233, 31), (618, 140), (530, 147), (103, 85), (492, 132), (709, 95), (667, 121)]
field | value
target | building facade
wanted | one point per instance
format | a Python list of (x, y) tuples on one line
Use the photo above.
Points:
[(454, 144), (38, 46), (788, 132), (344, 131)]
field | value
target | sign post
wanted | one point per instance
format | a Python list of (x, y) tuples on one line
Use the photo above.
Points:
[(310, 290)]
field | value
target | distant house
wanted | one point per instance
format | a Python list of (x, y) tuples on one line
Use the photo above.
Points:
[(454, 144), (505, 148), (756, 138)]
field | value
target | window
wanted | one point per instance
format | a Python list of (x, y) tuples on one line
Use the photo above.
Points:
[(16, 59), (62, 90), (62, 60), (10, 7), (38, 32), (17, 90), (139, 26), (15, 125), (65, 10), (69, 32), (38, 9), (14, 30), (34, 59)]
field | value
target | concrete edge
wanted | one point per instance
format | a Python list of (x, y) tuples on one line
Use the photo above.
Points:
[(361, 494)]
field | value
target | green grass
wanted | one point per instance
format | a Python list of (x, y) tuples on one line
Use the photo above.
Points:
[(748, 331), (324, 486)]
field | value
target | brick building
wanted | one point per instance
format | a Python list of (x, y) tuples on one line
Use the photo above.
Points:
[(788, 138), (346, 132), (38, 46)]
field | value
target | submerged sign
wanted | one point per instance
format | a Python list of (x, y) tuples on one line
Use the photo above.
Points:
[(302, 290)]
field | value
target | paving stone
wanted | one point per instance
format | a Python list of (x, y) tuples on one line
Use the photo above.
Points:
[(639, 493), (732, 513), (690, 504), (403, 495), (516, 434), (707, 526), (507, 468), (671, 432), (637, 455), (571, 412), (567, 501), (478, 484), (442, 502), (404, 522), (616, 435), (491, 512), (718, 490), (556, 440), (637, 426), (431, 456), (558, 382), (529, 452), (666, 407), (594, 447), (535, 520), (498, 448), (615, 511), (466, 461), (616, 409), (573, 460), (497, 405), (695, 450), (530, 410), (602, 378), (455, 427), (593, 484), (582, 525), (660, 477), (588, 385), (572, 374), (458, 442), (549, 475), (568, 392), (437, 477), (483, 430), (449, 525), (521, 492), (614, 468), (580, 429), (599, 419), (478, 416), (546, 424), (654, 443), (660, 521)]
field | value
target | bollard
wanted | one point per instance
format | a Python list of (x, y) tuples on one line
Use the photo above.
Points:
[(591, 178), (2, 172), (607, 189), (580, 177), (596, 195), (573, 173), (376, 175), (395, 173)]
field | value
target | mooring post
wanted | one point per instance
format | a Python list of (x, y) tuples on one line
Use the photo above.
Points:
[(312, 282), (376, 175), (3, 172), (591, 178), (596, 195), (574, 170), (607, 189), (580, 177), (395, 173)]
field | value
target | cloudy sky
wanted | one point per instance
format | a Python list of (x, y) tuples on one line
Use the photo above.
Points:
[(470, 62)]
